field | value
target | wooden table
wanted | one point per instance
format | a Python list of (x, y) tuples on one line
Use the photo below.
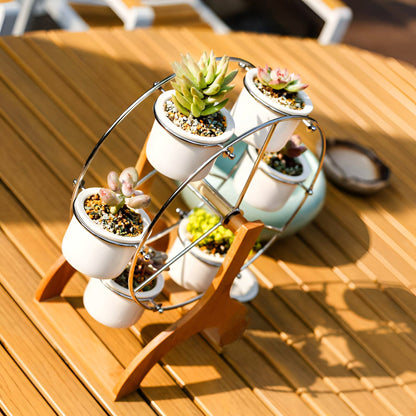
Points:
[(333, 329)]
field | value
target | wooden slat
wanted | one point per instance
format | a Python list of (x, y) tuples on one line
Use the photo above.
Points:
[(25, 232), (387, 82), (178, 15), (352, 312), (164, 394), (404, 71), (68, 97), (381, 248), (328, 331), (44, 367), (132, 3), (71, 99), (314, 390), (86, 81), (46, 143), (49, 113), (402, 84), (368, 89), (361, 284), (268, 384), (337, 301), (99, 65), (18, 396), (356, 319), (98, 369), (160, 389), (327, 362), (372, 263), (48, 209), (96, 15), (172, 14)]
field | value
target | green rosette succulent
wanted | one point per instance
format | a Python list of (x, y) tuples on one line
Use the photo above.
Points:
[(200, 87)]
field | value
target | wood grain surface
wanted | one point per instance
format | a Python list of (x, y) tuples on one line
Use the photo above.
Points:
[(333, 328)]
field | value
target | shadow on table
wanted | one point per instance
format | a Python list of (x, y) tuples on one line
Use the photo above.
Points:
[(306, 338)]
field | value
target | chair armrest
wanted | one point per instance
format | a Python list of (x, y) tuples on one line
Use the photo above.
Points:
[(132, 12), (337, 17)]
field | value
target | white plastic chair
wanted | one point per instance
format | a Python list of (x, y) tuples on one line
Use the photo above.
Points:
[(336, 16), (8, 14), (15, 15)]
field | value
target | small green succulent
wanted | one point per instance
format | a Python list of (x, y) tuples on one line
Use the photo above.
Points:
[(200, 87), (199, 222)]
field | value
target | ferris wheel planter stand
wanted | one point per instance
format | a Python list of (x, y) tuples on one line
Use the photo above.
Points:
[(214, 309)]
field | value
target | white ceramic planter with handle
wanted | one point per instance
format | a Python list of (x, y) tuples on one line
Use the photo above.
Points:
[(174, 157), (249, 112), (91, 255), (196, 270), (267, 191), (113, 310)]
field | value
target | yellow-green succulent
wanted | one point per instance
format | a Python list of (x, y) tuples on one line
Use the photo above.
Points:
[(200, 87)]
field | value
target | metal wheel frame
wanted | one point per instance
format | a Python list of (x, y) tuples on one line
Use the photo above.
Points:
[(311, 124)]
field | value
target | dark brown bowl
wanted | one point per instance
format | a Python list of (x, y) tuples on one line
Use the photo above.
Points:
[(353, 167)]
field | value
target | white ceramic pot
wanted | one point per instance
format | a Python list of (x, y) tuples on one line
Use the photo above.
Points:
[(89, 254), (113, 310), (195, 270), (249, 112), (245, 286), (176, 158), (266, 190)]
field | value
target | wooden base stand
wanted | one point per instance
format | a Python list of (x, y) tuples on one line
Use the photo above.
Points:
[(222, 317), (225, 318)]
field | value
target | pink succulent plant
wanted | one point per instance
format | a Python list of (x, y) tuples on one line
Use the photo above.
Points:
[(279, 79), (293, 147), (122, 191)]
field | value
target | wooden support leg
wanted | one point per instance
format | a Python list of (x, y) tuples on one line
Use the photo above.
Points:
[(231, 326), (143, 168), (215, 310), (55, 280)]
